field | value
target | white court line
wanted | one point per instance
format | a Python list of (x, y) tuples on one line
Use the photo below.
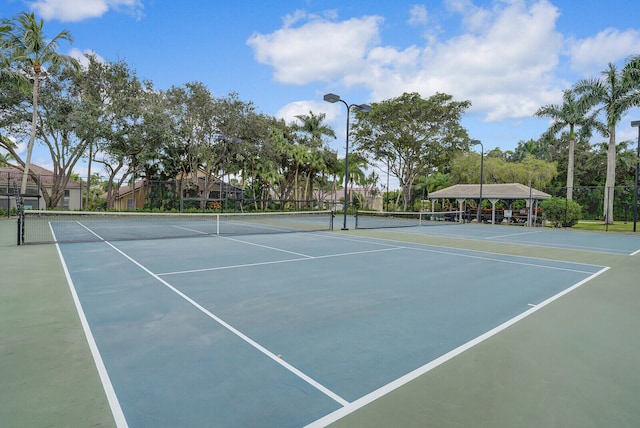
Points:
[(112, 398), (384, 390), (460, 252), (267, 247), (498, 260), (232, 329), (276, 261), (237, 332), (511, 234), (180, 272), (552, 245), (82, 225), (190, 230)]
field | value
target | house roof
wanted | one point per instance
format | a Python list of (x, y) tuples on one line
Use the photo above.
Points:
[(46, 176), (510, 191), (125, 190)]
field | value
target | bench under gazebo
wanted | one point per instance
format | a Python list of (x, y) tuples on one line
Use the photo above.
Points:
[(493, 193)]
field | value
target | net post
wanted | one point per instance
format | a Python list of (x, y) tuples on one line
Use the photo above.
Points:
[(20, 209)]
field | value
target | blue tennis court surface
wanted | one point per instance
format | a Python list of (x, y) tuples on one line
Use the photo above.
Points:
[(288, 330), (612, 243)]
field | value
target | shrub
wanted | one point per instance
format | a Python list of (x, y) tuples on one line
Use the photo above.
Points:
[(561, 212)]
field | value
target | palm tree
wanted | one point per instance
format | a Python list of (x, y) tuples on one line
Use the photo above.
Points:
[(266, 176), (7, 75), (30, 50), (570, 114), (5, 159), (357, 165), (631, 72), (299, 154), (315, 163), (531, 147), (631, 75), (314, 126), (336, 171), (612, 94)]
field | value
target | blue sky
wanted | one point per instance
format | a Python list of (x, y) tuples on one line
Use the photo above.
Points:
[(508, 57)]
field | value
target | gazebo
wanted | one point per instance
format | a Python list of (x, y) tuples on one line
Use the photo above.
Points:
[(493, 192)]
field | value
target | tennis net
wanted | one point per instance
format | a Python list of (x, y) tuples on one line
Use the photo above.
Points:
[(380, 219), (77, 226)]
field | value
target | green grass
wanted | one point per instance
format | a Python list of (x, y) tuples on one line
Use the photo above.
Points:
[(598, 225)]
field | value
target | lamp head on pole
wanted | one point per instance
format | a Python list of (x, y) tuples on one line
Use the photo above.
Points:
[(334, 98), (331, 98), (635, 123)]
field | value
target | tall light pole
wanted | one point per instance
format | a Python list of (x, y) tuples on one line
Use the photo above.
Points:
[(386, 153), (475, 143), (636, 123), (333, 98)]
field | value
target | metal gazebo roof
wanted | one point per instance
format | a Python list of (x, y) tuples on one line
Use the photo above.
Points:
[(510, 191)]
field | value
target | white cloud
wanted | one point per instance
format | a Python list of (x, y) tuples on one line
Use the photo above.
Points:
[(591, 55), (458, 6), (291, 18), (418, 15), (81, 56), (504, 63), (508, 59), (78, 10), (319, 50), (334, 114), (291, 110)]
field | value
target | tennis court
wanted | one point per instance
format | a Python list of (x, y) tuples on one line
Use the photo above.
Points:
[(284, 330), (313, 328), (601, 242)]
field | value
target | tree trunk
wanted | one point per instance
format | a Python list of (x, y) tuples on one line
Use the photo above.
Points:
[(570, 167), (406, 195), (86, 207), (32, 137), (611, 178)]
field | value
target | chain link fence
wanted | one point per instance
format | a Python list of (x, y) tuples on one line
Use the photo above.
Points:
[(591, 201)]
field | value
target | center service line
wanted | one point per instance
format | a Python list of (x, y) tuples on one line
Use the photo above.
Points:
[(238, 333)]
